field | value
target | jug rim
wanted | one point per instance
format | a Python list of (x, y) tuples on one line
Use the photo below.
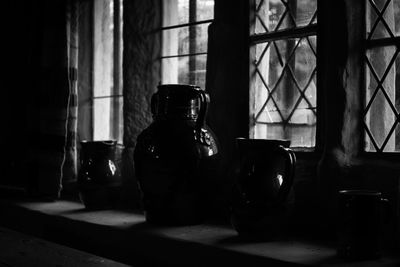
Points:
[(178, 86), (262, 141), (103, 142)]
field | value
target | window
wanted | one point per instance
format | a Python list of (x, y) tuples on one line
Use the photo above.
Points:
[(382, 76), (106, 98), (184, 37), (283, 71)]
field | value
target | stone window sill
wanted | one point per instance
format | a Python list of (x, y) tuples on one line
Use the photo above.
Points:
[(125, 237)]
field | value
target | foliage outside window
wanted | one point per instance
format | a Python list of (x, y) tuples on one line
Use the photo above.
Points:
[(184, 38), (283, 88), (382, 80)]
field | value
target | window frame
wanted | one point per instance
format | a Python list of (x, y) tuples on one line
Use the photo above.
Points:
[(116, 96), (298, 32), (189, 24), (370, 43)]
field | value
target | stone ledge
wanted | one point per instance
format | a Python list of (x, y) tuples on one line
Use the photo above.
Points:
[(125, 237), (19, 249)]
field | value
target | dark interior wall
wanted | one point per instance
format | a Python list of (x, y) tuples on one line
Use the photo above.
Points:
[(34, 90), (141, 75), (18, 108), (228, 78)]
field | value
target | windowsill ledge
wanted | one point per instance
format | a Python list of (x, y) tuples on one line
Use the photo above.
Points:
[(124, 236)]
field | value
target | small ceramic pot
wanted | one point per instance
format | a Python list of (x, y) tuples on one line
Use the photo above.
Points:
[(99, 179)]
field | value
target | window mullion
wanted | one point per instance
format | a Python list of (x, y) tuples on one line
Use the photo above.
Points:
[(299, 32)]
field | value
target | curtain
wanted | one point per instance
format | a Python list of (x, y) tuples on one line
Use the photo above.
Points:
[(52, 157), (69, 166)]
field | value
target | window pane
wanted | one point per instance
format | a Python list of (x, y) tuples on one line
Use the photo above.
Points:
[(383, 18), (205, 10), (272, 15), (397, 133), (101, 118), (107, 72), (177, 11), (184, 52), (185, 40), (107, 116), (116, 115), (285, 90), (396, 7), (187, 70), (103, 48), (382, 98)]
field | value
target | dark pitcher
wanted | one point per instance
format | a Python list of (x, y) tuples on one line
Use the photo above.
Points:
[(176, 156), (99, 179), (264, 178)]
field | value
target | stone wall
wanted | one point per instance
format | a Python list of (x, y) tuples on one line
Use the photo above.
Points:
[(141, 75)]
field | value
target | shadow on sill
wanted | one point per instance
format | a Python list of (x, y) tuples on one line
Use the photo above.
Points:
[(124, 236)]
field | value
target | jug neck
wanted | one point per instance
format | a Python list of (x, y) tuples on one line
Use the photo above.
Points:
[(98, 149), (176, 101)]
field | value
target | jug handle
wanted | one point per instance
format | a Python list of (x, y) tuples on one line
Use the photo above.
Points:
[(204, 101), (290, 162)]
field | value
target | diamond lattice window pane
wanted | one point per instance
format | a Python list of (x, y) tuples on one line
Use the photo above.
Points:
[(397, 85), (303, 114), (305, 62), (269, 131), (397, 17), (285, 91), (380, 119), (382, 98), (277, 62), (303, 126), (397, 137), (383, 18), (380, 59), (264, 55), (286, 95), (272, 15)]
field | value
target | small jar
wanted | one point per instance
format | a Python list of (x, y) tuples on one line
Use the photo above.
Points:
[(99, 178)]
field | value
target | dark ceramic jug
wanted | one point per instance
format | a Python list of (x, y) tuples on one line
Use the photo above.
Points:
[(176, 156), (264, 178), (99, 179)]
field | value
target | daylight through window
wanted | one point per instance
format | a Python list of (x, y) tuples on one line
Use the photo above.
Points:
[(107, 73), (283, 72), (382, 81), (184, 38)]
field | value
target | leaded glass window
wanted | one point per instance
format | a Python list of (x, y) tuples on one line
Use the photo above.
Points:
[(382, 80), (283, 73)]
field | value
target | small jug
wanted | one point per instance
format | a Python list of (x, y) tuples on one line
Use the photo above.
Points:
[(360, 221), (99, 178), (264, 178)]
